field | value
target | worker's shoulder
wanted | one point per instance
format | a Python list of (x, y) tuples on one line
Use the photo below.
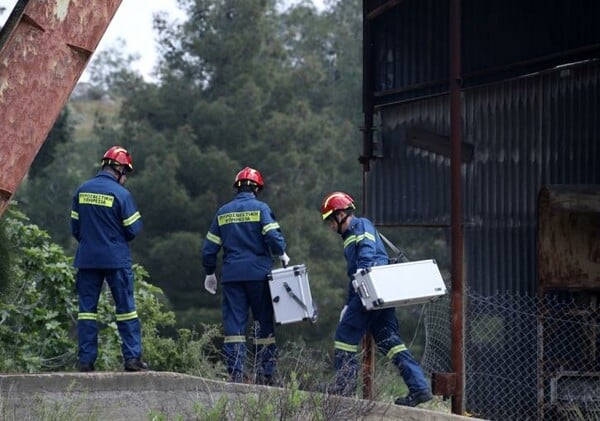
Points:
[(102, 184)]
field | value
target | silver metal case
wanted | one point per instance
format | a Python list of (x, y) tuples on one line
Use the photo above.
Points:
[(290, 295), (399, 284)]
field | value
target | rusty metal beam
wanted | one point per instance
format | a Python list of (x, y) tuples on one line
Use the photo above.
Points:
[(436, 143), (42, 56), (385, 7)]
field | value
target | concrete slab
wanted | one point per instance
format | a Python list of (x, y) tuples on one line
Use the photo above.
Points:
[(117, 396)]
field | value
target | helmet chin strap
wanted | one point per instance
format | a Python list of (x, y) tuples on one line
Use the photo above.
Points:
[(120, 173), (340, 223)]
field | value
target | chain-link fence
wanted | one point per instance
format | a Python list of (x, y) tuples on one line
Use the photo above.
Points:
[(526, 358)]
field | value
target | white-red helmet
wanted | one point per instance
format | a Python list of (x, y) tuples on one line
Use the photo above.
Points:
[(117, 155), (336, 201), (248, 177)]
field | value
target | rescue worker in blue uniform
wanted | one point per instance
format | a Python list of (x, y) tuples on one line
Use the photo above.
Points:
[(104, 218), (363, 248), (247, 231)]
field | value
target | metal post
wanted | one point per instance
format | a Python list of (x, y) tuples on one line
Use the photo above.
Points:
[(456, 208)]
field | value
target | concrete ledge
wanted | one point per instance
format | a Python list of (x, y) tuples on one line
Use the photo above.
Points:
[(119, 396)]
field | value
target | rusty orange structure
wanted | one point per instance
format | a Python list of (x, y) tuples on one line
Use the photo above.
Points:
[(44, 48)]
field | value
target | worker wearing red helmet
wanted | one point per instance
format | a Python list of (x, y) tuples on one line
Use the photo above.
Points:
[(247, 231), (363, 248), (104, 218)]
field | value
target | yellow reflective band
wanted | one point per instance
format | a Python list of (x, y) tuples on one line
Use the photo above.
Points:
[(269, 227), (127, 316), (326, 214), (264, 341), (395, 350), (349, 240), (214, 238), (239, 217), (87, 316), (358, 238), (234, 339), (74, 215), (131, 219), (369, 236), (96, 199), (345, 347)]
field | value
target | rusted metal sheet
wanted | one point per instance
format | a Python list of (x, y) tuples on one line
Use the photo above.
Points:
[(41, 60), (569, 237), (443, 384)]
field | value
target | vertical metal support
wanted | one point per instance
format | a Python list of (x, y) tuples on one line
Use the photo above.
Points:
[(367, 131), (456, 208)]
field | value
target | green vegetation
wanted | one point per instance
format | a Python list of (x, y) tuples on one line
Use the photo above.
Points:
[(242, 83)]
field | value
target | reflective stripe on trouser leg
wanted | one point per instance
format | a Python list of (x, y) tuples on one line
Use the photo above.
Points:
[(384, 328), (410, 370), (88, 284), (346, 372), (129, 327), (234, 348), (121, 283), (87, 331), (265, 350), (259, 298)]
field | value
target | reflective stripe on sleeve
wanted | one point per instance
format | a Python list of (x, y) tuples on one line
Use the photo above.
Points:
[(349, 240), (131, 219), (269, 227), (214, 238), (358, 238), (74, 215)]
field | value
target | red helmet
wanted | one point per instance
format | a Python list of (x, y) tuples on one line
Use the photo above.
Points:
[(251, 176), (336, 201), (118, 155)]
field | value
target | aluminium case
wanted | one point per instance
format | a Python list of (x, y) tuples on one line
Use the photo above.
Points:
[(290, 295), (399, 284)]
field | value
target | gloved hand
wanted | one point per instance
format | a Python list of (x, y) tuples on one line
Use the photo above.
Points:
[(210, 283), (343, 312), (285, 259)]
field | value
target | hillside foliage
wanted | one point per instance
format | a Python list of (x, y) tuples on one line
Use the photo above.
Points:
[(242, 83)]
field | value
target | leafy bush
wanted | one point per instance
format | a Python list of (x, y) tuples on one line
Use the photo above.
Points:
[(38, 313)]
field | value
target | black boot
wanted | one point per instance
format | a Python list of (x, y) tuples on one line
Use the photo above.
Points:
[(236, 377), (414, 399), (86, 367), (135, 364)]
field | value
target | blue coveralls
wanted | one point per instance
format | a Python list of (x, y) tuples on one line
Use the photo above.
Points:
[(247, 231), (363, 248), (104, 218)]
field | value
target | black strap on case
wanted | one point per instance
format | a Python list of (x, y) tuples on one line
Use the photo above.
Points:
[(399, 257)]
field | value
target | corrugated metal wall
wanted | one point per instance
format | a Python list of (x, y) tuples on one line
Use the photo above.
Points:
[(527, 132), (410, 48), (530, 108), (534, 127)]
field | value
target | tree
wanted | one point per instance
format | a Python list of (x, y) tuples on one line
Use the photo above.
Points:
[(60, 134), (240, 83)]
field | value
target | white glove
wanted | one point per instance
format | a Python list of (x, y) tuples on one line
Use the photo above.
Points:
[(210, 283), (343, 312), (285, 259)]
